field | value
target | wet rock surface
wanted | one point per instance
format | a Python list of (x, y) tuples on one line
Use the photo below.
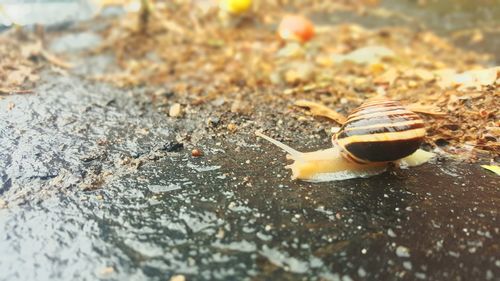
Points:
[(98, 185)]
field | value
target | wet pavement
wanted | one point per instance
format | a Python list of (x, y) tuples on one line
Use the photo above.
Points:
[(100, 188), (98, 183)]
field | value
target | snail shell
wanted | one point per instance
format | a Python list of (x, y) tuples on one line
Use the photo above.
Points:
[(377, 132), (380, 131)]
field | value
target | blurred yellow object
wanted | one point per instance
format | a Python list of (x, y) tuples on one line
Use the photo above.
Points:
[(495, 169), (235, 6)]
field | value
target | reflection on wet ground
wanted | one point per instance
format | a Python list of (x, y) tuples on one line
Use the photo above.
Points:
[(231, 214)]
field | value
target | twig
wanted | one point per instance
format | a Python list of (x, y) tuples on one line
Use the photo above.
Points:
[(55, 60), (6, 92)]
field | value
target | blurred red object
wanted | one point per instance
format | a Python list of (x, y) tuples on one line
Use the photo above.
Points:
[(296, 27)]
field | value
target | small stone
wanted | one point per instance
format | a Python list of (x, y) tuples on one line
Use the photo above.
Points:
[(391, 233), (412, 84), (236, 107), (102, 141), (421, 276), (175, 110), (361, 272), (213, 121), (232, 127), (218, 102), (107, 270), (196, 152), (171, 146), (346, 278), (11, 106), (407, 265), (179, 277), (489, 275), (221, 233), (402, 252)]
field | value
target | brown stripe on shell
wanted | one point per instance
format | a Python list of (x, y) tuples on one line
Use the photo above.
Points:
[(382, 128), (385, 120), (380, 131)]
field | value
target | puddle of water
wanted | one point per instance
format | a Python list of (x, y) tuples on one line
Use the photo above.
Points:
[(45, 12)]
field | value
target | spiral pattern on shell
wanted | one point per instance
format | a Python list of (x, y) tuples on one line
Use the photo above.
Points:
[(380, 131)]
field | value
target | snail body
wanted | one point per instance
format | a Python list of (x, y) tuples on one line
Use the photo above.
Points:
[(375, 134)]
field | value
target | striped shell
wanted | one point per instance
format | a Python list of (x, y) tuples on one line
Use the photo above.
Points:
[(380, 131)]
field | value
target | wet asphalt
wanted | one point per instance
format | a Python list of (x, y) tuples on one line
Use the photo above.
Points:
[(99, 183)]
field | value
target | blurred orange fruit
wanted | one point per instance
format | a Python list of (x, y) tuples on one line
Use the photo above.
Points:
[(296, 27)]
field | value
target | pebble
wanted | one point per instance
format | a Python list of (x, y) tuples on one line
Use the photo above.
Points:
[(489, 275), (407, 265), (236, 107), (107, 270), (11, 106), (196, 152), (346, 278), (361, 272), (402, 252), (171, 146), (232, 127), (178, 278), (391, 233), (175, 110), (213, 121)]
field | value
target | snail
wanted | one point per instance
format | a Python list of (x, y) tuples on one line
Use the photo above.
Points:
[(375, 134)]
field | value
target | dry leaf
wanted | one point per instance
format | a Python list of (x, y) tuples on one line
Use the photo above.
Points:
[(175, 110), (477, 78), (389, 77), (424, 74), (366, 55), (321, 110), (425, 110), (472, 79)]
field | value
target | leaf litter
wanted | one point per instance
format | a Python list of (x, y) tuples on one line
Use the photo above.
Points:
[(242, 60)]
